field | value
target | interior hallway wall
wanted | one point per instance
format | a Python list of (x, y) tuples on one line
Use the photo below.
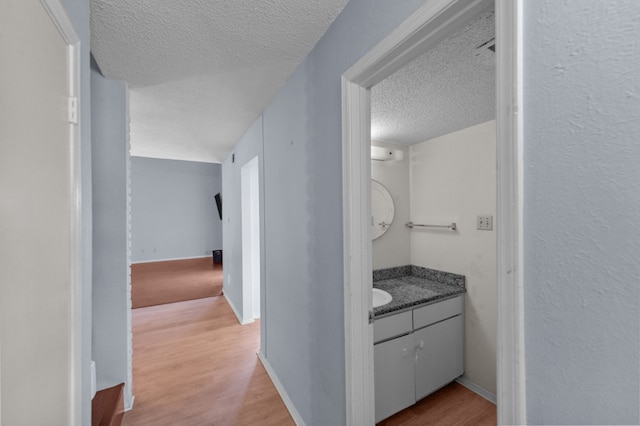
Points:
[(303, 213), (111, 342), (301, 135), (582, 198), (453, 179), (392, 248), (173, 210)]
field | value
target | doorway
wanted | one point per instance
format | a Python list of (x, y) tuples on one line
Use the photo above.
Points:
[(429, 25), (250, 199)]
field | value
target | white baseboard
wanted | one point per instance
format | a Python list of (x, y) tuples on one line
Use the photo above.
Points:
[(170, 259), (130, 407), (464, 381), (235, 311), (283, 394)]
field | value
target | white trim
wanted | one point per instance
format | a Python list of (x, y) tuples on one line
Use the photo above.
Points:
[(509, 124), (428, 25), (171, 259), (130, 407), (297, 418), (235, 311), (357, 249), (58, 15), (56, 12), (477, 389), (129, 396)]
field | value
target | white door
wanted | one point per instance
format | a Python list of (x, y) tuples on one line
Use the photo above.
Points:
[(440, 356), (394, 375), (250, 199), (36, 248)]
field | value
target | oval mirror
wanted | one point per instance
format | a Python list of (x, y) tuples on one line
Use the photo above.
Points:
[(382, 209)]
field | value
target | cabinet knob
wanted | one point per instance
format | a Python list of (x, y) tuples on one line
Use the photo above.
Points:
[(421, 347), (405, 352)]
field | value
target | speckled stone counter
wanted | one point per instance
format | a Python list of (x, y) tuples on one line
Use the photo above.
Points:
[(412, 286)]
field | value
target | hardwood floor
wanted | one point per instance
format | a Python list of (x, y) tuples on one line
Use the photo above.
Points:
[(193, 364), (453, 405), (156, 283)]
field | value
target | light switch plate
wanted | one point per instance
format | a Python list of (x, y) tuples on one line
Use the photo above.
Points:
[(485, 223)]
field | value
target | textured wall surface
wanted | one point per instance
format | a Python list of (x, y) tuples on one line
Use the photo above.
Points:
[(173, 209), (453, 179), (392, 248), (303, 213), (111, 272), (582, 198), (302, 323)]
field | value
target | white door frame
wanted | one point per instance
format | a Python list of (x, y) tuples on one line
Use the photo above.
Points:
[(60, 19), (427, 26)]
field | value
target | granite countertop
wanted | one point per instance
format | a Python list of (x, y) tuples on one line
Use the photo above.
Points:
[(412, 286)]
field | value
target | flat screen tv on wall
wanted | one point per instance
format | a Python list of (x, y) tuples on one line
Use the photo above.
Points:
[(219, 204)]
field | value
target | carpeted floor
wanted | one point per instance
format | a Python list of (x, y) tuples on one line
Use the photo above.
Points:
[(157, 283)]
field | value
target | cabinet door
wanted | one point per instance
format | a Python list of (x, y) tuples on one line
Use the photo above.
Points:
[(394, 375), (440, 356)]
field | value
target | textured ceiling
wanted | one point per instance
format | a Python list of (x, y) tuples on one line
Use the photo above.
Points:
[(201, 71), (448, 88)]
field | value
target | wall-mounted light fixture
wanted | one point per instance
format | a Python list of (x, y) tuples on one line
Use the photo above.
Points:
[(379, 153)]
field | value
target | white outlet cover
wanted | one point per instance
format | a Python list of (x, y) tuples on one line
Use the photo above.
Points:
[(484, 223)]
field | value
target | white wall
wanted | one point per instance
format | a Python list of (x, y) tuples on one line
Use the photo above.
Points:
[(392, 248), (453, 179), (582, 211)]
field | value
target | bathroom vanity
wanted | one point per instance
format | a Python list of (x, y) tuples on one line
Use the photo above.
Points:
[(418, 336)]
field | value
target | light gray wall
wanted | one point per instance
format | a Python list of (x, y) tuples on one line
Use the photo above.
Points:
[(78, 12), (302, 253), (111, 272), (249, 147), (582, 204), (173, 209)]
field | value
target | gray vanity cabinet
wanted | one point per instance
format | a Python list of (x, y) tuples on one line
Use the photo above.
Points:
[(439, 357), (394, 375), (415, 353)]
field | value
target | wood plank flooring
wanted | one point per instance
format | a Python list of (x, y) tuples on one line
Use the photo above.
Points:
[(156, 283), (453, 405), (193, 364)]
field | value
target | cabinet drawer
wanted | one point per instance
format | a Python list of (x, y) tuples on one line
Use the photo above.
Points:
[(394, 325), (435, 312)]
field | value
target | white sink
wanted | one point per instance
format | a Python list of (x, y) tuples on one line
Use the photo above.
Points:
[(380, 297)]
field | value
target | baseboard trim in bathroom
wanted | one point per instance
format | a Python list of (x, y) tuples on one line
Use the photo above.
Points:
[(235, 311), (283, 394), (464, 381)]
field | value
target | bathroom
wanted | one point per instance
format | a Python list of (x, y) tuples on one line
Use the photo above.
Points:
[(434, 164)]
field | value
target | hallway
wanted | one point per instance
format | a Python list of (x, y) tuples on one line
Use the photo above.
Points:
[(193, 364)]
